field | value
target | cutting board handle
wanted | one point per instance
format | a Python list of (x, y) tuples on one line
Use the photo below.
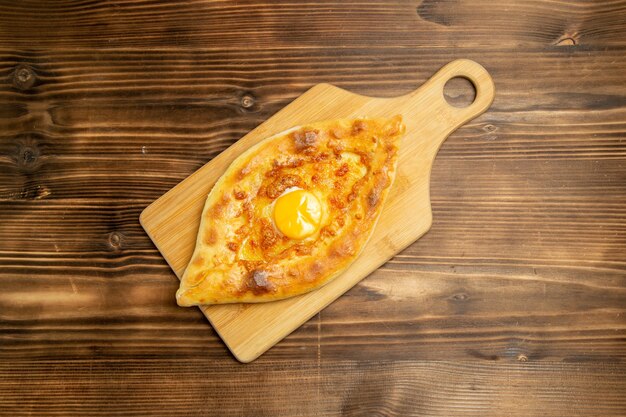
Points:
[(427, 107)]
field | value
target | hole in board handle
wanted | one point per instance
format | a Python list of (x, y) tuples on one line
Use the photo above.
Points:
[(459, 92)]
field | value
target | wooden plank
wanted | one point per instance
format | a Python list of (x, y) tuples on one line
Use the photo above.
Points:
[(458, 318), (350, 388), (256, 24), (153, 141), (207, 85)]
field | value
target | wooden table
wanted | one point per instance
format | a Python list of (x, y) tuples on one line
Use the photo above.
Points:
[(513, 304)]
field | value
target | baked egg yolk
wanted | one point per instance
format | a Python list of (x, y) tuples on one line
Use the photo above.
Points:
[(297, 214)]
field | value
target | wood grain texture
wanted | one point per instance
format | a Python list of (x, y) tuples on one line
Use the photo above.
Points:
[(259, 24), (512, 304), (338, 388)]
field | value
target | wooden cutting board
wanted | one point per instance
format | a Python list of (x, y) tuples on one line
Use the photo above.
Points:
[(250, 329)]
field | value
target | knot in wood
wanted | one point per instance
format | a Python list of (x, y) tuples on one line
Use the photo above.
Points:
[(27, 153), (115, 240), (489, 128), (23, 77), (460, 297), (27, 156), (247, 101)]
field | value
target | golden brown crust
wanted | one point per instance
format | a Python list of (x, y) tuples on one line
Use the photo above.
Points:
[(240, 256)]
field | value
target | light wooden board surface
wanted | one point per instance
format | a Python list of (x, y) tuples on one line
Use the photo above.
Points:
[(250, 329)]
